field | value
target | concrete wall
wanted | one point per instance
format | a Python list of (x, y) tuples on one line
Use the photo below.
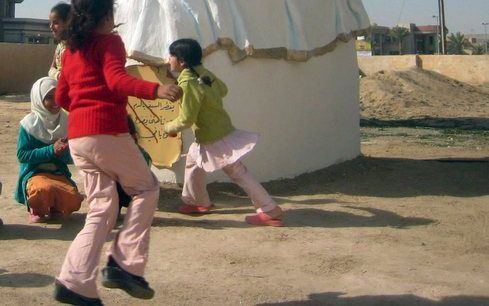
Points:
[(307, 113), (471, 69), (22, 64), (372, 64)]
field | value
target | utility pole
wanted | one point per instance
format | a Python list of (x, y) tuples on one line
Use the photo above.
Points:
[(441, 9), (485, 24), (437, 38)]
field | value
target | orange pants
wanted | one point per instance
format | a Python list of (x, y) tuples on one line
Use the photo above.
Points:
[(50, 191)]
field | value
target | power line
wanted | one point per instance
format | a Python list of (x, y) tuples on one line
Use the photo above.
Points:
[(401, 12)]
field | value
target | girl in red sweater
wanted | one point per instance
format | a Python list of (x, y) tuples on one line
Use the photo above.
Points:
[(93, 86)]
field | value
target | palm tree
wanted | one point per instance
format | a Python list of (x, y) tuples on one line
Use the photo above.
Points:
[(457, 43), (399, 33), (478, 49)]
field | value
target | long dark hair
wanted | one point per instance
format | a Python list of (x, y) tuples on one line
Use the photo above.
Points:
[(85, 16), (190, 52), (62, 10)]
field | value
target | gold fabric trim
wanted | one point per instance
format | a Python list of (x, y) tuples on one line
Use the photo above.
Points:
[(236, 54)]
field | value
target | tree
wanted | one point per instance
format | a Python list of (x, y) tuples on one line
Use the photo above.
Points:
[(457, 43), (399, 33), (478, 49)]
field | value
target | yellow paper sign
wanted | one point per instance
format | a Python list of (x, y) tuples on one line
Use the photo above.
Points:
[(150, 116)]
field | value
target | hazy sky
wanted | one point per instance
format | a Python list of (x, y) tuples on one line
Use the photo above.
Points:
[(465, 16), (462, 15)]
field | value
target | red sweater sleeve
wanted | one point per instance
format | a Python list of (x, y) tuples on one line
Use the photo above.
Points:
[(113, 56), (62, 97)]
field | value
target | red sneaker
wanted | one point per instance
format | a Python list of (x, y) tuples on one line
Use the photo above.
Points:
[(194, 209), (263, 219)]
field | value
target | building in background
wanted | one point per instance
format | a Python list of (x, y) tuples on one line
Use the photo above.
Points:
[(22, 30), (7, 8), (419, 40), (478, 39), (425, 39), (381, 41)]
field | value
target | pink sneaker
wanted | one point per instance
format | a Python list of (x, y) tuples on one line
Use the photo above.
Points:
[(194, 209), (35, 218), (263, 219)]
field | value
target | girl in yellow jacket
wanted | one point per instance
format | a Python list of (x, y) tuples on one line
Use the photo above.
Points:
[(218, 145)]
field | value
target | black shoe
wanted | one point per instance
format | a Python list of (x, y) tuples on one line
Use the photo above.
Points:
[(66, 296), (113, 276)]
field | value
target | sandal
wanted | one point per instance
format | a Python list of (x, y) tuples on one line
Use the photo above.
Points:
[(263, 219), (194, 209)]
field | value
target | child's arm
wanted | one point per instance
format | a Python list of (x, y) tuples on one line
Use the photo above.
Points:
[(113, 56), (28, 155), (62, 96), (53, 71), (63, 152), (189, 109)]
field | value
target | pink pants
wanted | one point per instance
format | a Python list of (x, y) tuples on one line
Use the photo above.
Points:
[(103, 160), (194, 187)]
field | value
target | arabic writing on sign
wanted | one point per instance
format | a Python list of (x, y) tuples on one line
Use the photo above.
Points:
[(151, 116)]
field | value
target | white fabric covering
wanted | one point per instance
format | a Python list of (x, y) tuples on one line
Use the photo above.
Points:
[(150, 26)]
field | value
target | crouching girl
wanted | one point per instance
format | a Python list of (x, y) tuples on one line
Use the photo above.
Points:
[(44, 184)]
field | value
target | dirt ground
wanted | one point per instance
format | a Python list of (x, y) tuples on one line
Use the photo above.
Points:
[(405, 224), (423, 98)]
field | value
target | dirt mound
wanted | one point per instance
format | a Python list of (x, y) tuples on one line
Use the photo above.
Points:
[(415, 93)]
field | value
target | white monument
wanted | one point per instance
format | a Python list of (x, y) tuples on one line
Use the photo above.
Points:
[(290, 66)]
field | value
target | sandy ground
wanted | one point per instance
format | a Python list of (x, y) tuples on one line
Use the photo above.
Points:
[(405, 224)]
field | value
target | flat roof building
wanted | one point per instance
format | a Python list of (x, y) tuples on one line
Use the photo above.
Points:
[(22, 30), (419, 40)]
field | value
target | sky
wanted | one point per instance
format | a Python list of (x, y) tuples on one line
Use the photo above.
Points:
[(465, 16)]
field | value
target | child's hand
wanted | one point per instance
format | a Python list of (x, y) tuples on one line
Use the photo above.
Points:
[(169, 134), (60, 146), (169, 92)]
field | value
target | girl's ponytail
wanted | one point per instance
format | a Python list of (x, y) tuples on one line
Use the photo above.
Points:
[(84, 18), (202, 79)]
